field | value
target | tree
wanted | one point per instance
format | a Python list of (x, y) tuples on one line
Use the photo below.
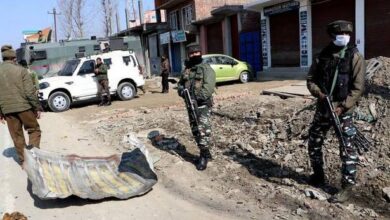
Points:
[(66, 19), (73, 17), (78, 18), (108, 8)]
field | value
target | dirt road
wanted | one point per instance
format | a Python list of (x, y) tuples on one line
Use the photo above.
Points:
[(68, 137), (235, 186), (63, 133)]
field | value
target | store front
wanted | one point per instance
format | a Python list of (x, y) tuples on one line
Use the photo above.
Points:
[(284, 33), (324, 13)]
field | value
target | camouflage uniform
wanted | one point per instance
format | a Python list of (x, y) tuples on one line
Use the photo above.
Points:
[(200, 81), (348, 89), (103, 87)]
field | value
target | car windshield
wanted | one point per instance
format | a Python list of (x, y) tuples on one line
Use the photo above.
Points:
[(69, 68)]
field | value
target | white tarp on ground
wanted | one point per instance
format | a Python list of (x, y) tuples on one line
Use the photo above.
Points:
[(121, 176)]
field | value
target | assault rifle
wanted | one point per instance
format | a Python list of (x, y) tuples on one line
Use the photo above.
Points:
[(191, 106), (360, 141)]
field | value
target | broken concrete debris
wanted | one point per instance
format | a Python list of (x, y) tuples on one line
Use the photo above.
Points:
[(272, 144), (315, 194)]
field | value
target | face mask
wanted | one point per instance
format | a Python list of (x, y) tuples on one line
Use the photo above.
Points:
[(342, 40), (195, 60)]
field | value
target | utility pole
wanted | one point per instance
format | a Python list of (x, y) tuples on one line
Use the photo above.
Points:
[(54, 13)]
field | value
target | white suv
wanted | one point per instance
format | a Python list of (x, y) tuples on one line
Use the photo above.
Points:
[(76, 81)]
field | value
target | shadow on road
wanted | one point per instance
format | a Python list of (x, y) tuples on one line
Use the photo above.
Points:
[(172, 146), (382, 91), (271, 171), (69, 201), (11, 153)]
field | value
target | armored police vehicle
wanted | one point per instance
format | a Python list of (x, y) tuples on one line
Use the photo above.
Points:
[(47, 59)]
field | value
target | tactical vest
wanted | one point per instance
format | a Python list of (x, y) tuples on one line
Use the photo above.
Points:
[(194, 78), (327, 64)]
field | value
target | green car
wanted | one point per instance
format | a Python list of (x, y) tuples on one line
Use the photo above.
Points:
[(227, 68)]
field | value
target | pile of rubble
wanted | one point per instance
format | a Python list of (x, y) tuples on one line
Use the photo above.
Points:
[(268, 136)]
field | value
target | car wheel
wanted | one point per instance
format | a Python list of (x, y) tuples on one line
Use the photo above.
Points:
[(59, 102), (126, 91), (244, 76)]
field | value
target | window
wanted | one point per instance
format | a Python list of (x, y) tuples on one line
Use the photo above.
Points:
[(209, 60), (127, 60), (87, 67), (108, 62), (224, 60), (39, 55), (174, 20), (69, 67), (96, 47), (186, 14)]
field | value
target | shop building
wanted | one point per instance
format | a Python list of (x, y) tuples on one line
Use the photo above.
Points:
[(292, 32)]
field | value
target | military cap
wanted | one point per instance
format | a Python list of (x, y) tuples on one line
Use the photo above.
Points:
[(339, 26), (6, 47), (7, 52), (193, 47)]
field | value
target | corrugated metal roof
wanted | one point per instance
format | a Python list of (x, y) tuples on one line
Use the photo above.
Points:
[(121, 176)]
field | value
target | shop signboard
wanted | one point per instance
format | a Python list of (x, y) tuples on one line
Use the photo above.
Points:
[(165, 38), (263, 33), (304, 38), (280, 8), (178, 36)]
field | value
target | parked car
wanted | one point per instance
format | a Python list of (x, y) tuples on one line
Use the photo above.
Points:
[(76, 81), (227, 68)]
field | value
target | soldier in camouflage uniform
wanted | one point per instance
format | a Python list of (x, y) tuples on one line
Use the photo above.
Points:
[(103, 87), (199, 79), (338, 72)]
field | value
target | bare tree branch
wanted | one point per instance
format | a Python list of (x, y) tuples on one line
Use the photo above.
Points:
[(66, 19), (78, 18), (108, 9)]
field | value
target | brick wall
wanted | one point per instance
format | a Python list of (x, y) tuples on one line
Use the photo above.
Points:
[(204, 7)]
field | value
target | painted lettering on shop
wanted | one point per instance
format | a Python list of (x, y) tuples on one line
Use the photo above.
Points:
[(280, 8)]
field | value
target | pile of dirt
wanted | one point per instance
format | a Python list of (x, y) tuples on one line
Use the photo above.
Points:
[(265, 137)]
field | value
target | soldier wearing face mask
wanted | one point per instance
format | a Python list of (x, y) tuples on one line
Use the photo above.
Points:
[(199, 79), (338, 72)]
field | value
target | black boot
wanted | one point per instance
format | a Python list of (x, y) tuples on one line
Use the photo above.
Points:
[(318, 178), (108, 102), (343, 195), (102, 102), (203, 159)]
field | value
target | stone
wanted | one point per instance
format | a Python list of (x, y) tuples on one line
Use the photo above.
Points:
[(386, 193), (287, 181), (314, 194), (301, 212), (299, 170), (288, 157)]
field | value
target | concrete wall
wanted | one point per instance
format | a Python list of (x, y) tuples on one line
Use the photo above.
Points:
[(203, 8)]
